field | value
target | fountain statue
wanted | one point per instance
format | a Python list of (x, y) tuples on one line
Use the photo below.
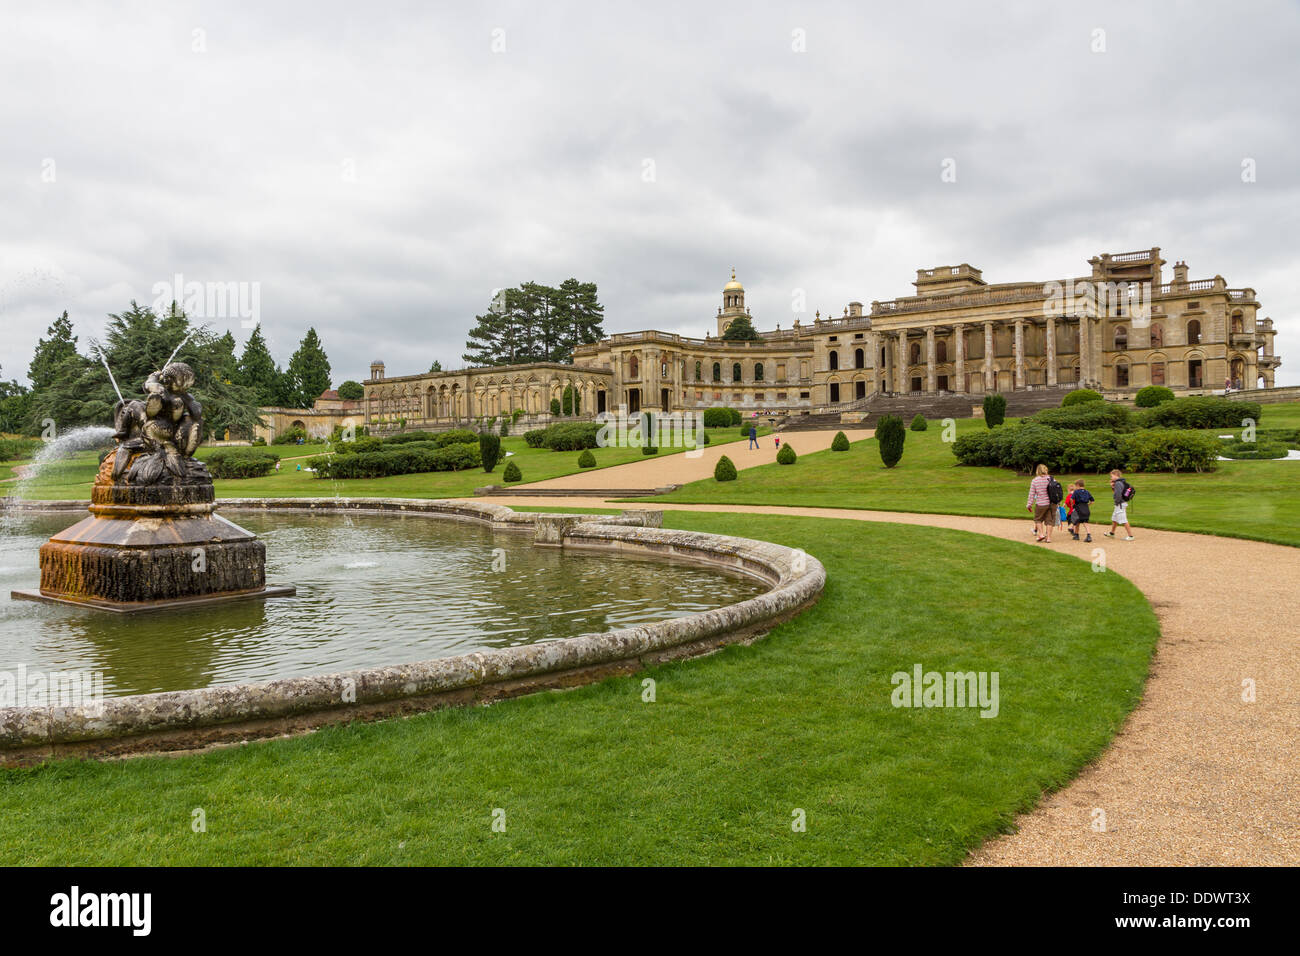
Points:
[(153, 539)]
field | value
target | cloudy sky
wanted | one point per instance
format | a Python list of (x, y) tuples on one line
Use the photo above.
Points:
[(376, 170)]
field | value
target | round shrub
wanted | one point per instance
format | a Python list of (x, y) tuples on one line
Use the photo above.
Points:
[(535, 438), (241, 462), (890, 434), (785, 456), (1152, 395), (571, 436), (918, 423), (1085, 416), (840, 442), (721, 417), (489, 448), (995, 409), (1169, 450), (1079, 396), (586, 459), (724, 470), (511, 472)]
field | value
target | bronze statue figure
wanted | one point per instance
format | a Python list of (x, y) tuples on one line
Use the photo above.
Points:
[(157, 437)]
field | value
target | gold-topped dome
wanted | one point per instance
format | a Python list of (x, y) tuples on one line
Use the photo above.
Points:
[(733, 285)]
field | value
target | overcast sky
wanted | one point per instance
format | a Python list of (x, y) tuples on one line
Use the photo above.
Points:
[(377, 169)]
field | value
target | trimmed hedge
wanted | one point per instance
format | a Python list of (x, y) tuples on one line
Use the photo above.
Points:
[(570, 436), (1086, 416), (786, 456), (535, 438), (587, 459), (840, 442), (1152, 395), (995, 409), (719, 417), (919, 423), (1027, 445), (1169, 450), (1200, 411), (397, 461), (1080, 396), (241, 462), (512, 472), (724, 470)]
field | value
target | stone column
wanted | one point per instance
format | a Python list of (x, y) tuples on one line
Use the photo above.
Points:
[(990, 375), (902, 385), (959, 343), (1085, 359), (929, 359), (1051, 350), (1020, 354)]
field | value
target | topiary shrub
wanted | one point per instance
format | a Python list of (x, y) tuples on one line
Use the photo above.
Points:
[(535, 438), (724, 470), (1152, 395), (649, 450), (587, 459), (1079, 396), (511, 472), (242, 462), (401, 460), (918, 423), (840, 442), (571, 436), (786, 456), (1086, 416), (1253, 450), (1169, 450), (890, 434), (555, 407), (489, 449), (995, 409), (505, 427)]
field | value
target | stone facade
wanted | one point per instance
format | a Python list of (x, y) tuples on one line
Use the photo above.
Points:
[(1117, 328)]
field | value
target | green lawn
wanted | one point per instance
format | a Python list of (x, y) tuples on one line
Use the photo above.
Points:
[(71, 479), (1247, 499), (710, 773)]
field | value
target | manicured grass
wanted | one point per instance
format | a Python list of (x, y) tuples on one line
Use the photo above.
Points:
[(71, 479), (710, 773), (1246, 499)]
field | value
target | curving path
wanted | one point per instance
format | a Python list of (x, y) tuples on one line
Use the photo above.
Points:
[(1196, 776)]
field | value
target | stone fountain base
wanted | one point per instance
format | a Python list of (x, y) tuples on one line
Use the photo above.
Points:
[(152, 547)]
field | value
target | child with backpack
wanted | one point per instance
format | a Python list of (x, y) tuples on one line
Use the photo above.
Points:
[(1081, 500), (1123, 494), (1044, 496)]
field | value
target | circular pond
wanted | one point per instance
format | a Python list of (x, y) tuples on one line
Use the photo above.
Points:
[(372, 591)]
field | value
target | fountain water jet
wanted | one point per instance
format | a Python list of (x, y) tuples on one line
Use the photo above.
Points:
[(153, 540)]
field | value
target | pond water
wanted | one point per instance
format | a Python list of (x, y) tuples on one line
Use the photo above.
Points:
[(372, 590)]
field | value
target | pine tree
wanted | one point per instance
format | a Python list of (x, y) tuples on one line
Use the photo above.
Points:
[(51, 353), (308, 372), (257, 370), (580, 316), (435, 367)]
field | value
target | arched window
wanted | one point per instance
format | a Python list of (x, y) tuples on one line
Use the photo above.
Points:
[(1238, 324), (859, 359), (835, 360), (1121, 337), (634, 367), (941, 351), (1157, 373), (663, 369), (915, 354), (717, 371), (1157, 336), (758, 371), (1194, 332), (735, 372), (697, 371), (1121, 375)]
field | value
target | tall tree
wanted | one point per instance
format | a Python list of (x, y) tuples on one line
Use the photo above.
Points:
[(740, 329), (536, 323), (435, 367), (52, 352), (308, 371), (15, 404), (580, 315), (258, 371)]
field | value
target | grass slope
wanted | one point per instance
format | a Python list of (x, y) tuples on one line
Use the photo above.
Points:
[(710, 773), (1246, 499)]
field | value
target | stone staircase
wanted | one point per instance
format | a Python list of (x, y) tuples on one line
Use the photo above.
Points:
[(866, 412)]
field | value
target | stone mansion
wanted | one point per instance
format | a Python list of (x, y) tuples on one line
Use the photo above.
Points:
[(1117, 328)]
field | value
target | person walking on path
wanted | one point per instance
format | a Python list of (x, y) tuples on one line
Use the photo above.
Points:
[(1081, 500), (1123, 494), (753, 435), (1042, 506)]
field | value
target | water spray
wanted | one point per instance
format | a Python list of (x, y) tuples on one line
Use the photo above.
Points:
[(100, 352)]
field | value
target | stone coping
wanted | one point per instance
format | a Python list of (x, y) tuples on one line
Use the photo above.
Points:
[(191, 719)]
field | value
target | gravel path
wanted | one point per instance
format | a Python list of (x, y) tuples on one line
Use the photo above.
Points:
[(1197, 776)]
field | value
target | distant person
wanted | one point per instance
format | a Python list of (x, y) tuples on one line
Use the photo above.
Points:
[(753, 435), (1123, 493), (1081, 500), (277, 466), (777, 439), (1227, 385), (1042, 506)]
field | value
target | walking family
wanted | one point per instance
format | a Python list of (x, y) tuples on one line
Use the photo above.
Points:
[(1050, 503)]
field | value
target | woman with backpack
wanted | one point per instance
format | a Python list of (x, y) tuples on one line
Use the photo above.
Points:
[(1124, 493), (1044, 495)]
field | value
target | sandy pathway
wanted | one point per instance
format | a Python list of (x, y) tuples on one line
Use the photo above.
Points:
[(1197, 775), (679, 469)]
